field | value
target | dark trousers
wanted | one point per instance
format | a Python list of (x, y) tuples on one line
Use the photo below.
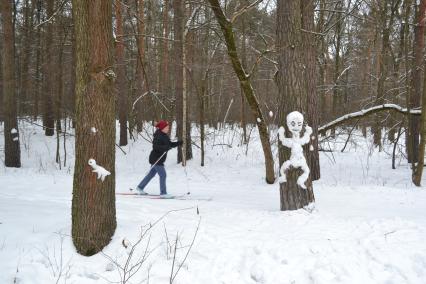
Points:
[(161, 171)]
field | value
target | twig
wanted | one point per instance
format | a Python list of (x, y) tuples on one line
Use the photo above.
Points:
[(187, 252), (244, 10)]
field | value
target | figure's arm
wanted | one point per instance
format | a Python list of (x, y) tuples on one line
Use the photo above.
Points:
[(175, 144), (306, 136), (281, 136)]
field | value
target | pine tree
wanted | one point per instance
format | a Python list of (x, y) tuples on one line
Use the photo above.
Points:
[(11, 135), (93, 204), (293, 92)]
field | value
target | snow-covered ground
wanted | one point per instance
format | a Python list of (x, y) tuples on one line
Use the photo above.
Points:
[(368, 226)]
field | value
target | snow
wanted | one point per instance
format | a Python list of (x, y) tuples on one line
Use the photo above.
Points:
[(295, 143), (99, 170), (368, 225), (271, 114), (13, 131), (15, 139), (93, 130), (259, 120), (294, 116)]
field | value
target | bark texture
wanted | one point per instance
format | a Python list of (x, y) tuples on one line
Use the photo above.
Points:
[(12, 150), (93, 203)]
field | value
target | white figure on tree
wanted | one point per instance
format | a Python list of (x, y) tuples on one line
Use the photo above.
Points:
[(295, 143), (101, 171)]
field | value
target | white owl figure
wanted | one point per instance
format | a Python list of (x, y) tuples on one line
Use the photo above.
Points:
[(295, 143), (101, 171)]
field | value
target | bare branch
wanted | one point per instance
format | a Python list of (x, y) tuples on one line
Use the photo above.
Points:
[(53, 15), (244, 10)]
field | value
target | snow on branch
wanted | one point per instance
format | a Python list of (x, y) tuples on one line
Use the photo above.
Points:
[(99, 170), (365, 112)]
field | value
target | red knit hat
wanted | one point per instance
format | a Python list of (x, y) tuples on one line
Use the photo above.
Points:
[(161, 124)]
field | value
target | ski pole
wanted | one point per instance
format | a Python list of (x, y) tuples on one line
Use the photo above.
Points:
[(153, 165)]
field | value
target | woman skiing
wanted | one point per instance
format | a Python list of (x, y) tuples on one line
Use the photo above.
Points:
[(160, 145)]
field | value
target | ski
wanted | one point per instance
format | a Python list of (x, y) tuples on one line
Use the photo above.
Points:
[(185, 196), (153, 196)]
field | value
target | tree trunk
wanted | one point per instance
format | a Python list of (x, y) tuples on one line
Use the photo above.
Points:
[(184, 101), (48, 75), (311, 85), (12, 150), (382, 57), (121, 85), (407, 10), (164, 75), (93, 204), (59, 96), (178, 63), (26, 50), (323, 58), (246, 86), (140, 78), (382, 73), (183, 129), (337, 101), (1, 84), (416, 91), (38, 81), (73, 77), (293, 93), (418, 169), (244, 64), (396, 71), (202, 119)]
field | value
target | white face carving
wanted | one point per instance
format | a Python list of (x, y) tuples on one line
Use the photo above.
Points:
[(295, 122)]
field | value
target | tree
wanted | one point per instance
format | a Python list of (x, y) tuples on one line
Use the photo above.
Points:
[(121, 74), (419, 157), (337, 94), (26, 50), (182, 121), (12, 150), (164, 82), (418, 168), (141, 80), (310, 55), (416, 91), (38, 76), (93, 203), (386, 24), (293, 92), (48, 74), (245, 83)]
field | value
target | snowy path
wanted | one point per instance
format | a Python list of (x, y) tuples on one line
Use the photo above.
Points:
[(369, 224)]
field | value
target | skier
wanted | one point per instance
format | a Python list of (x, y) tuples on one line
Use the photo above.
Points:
[(160, 145)]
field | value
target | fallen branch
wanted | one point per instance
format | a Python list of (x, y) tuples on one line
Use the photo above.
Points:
[(365, 112)]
